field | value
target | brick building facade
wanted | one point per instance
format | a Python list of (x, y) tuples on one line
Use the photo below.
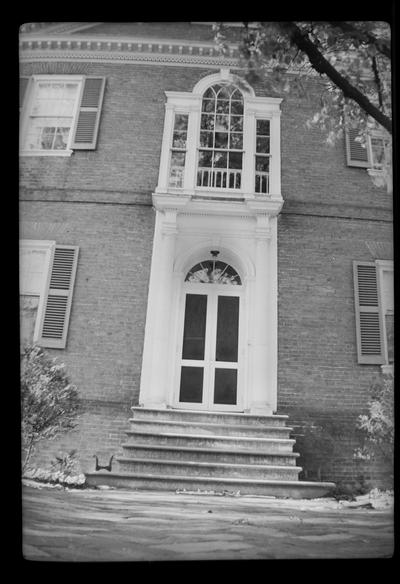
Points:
[(100, 200)]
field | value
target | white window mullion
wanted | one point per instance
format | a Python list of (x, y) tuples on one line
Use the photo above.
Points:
[(163, 174), (275, 158), (192, 143), (249, 129)]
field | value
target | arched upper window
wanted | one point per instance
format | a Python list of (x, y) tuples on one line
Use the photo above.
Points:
[(220, 137), (213, 272), (220, 159)]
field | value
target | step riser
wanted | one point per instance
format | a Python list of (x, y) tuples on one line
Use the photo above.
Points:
[(216, 429), (293, 489), (209, 456), (217, 418), (275, 446), (195, 470)]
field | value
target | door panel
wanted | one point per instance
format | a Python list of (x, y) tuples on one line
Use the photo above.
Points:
[(191, 388), (225, 386), (194, 333), (227, 329)]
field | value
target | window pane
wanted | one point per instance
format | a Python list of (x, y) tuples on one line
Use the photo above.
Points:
[(222, 123), (225, 388), (263, 127), (210, 93), (263, 145), (262, 163), (227, 329), (223, 106), (236, 107), (176, 177), (41, 133), (224, 92), (55, 99), (191, 388), (205, 158), (389, 320), (195, 326), (378, 151), (208, 105), (61, 138), (220, 159), (46, 142), (236, 141), (221, 140), (236, 123), (179, 139), (28, 313), (178, 159), (181, 122), (235, 160), (206, 139), (207, 122)]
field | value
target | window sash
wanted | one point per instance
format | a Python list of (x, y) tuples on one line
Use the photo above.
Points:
[(53, 130), (26, 288)]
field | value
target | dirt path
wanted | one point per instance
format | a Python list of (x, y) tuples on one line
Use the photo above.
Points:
[(92, 525)]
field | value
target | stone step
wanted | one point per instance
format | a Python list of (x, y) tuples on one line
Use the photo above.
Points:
[(206, 469), (214, 417), (275, 488), (191, 454), (267, 445), (209, 428)]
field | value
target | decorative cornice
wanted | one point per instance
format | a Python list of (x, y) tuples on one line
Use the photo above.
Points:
[(55, 27), (111, 49)]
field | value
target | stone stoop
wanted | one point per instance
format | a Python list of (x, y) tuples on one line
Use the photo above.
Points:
[(189, 450)]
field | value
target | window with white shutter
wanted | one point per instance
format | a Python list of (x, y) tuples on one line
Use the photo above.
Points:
[(60, 114), (369, 318), (369, 153), (357, 153), (53, 327)]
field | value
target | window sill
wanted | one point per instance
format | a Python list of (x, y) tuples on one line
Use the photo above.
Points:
[(387, 369), (46, 153)]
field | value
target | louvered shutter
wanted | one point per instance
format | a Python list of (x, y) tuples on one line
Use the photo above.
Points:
[(369, 324), (87, 126), (23, 85), (356, 154), (57, 306)]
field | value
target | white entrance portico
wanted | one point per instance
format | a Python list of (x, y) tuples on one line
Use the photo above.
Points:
[(211, 326)]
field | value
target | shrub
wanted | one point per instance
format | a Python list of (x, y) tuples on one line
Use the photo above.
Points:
[(49, 402), (377, 426)]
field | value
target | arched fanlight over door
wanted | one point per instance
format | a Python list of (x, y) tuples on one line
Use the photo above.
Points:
[(213, 272)]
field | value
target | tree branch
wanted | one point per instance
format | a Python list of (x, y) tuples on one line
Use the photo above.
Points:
[(321, 65), (377, 80)]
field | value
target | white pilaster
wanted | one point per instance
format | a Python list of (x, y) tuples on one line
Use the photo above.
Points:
[(153, 390), (262, 398)]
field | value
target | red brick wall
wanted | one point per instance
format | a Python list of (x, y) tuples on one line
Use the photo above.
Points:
[(319, 379), (105, 338)]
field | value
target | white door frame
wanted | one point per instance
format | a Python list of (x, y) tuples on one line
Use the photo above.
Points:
[(212, 291)]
